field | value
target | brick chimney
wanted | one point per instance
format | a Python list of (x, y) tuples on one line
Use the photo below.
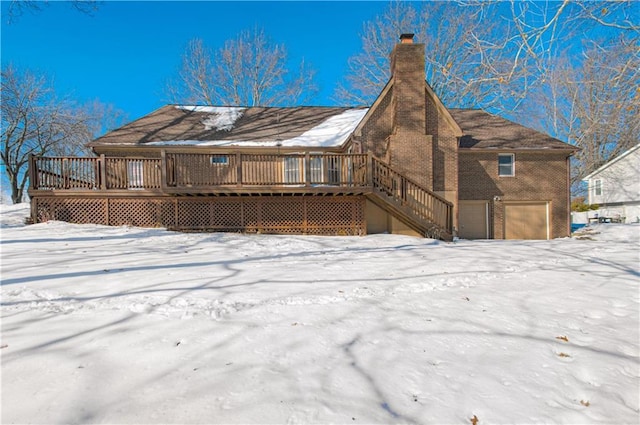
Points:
[(410, 148), (407, 70), (406, 38)]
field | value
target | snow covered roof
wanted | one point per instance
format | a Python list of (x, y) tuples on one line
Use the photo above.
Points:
[(236, 126), (304, 127), (220, 117)]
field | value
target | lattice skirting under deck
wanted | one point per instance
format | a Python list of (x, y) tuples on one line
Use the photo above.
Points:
[(339, 215)]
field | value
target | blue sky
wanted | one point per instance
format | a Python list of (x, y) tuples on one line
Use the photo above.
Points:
[(126, 51)]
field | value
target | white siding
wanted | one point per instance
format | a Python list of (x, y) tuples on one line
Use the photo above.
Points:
[(620, 180)]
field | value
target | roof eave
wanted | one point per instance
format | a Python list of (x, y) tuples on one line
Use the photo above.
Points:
[(523, 149), (457, 131), (358, 130), (610, 163)]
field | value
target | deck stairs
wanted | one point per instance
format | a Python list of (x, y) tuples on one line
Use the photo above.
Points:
[(420, 209)]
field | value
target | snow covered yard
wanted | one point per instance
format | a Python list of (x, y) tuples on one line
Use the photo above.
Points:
[(127, 325)]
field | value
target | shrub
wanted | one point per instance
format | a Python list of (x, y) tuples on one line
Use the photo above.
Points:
[(578, 205)]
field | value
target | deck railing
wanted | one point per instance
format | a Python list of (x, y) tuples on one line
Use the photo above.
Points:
[(408, 194), (64, 173), (132, 173), (309, 169), (101, 173), (187, 170), (174, 172)]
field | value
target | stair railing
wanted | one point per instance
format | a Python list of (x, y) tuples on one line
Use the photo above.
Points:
[(409, 194)]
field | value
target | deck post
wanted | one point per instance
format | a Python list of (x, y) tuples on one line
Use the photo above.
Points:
[(239, 168), (370, 169), (307, 169), (33, 207), (65, 172), (103, 172), (163, 170), (32, 172)]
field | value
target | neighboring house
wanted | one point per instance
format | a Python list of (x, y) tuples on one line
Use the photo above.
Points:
[(405, 165), (615, 187)]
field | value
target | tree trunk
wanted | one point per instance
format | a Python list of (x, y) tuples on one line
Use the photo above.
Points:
[(16, 193)]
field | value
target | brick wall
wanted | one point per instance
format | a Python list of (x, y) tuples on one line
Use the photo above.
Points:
[(408, 130), (407, 68), (410, 145), (378, 127), (538, 177), (445, 152)]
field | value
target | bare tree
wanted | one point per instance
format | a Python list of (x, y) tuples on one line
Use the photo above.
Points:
[(17, 8), (35, 121), (483, 53), (593, 102), (194, 83), (368, 70), (542, 34), (582, 92), (525, 60), (467, 63), (249, 70), (543, 28)]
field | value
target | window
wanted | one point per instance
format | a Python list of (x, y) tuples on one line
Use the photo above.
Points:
[(333, 169), (219, 160), (135, 174), (315, 169), (597, 187), (292, 169), (324, 169), (506, 162)]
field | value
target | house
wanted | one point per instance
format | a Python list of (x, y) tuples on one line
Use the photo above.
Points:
[(615, 187), (407, 164)]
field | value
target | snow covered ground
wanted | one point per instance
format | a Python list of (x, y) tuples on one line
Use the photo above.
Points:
[(127, 325)]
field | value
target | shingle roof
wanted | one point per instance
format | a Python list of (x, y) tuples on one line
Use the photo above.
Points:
[(225, 126), (302, 126), (482, 130)]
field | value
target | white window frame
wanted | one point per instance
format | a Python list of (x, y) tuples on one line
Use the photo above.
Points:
[(219, 160), (316, 168), (597, 187), (512, 164), (135, 174), (292, 171)]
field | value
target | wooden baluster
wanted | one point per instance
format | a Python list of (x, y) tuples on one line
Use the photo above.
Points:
[(163, 170), (239, 178)]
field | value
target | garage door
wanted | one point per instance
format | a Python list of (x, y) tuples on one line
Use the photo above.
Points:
[(473, 220), (526, 221)]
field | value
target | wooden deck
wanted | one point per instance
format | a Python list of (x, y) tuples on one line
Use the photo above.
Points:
[(182, 174), (179, 175)]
